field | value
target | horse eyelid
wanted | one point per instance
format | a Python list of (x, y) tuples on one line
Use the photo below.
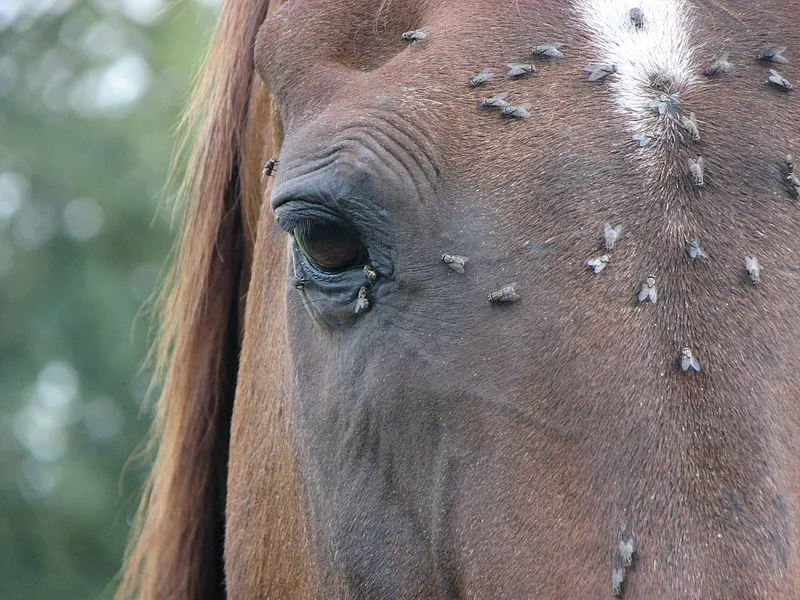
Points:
[(291, 213)]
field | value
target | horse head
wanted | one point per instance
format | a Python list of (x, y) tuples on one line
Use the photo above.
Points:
[(485, 300)]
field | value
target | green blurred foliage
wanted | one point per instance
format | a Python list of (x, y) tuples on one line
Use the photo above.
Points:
[(89, 96)]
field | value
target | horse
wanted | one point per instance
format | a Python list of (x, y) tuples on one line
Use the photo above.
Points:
[(484, 300)]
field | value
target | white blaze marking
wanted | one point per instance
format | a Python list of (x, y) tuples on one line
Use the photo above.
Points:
[(662, 46)]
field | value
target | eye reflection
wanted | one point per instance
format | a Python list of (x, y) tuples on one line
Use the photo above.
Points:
[(329, 246)]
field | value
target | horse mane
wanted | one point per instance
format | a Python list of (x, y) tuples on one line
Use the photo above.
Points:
[(177, 548)]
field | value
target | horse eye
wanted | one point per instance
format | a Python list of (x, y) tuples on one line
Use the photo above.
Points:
[(329, 246)]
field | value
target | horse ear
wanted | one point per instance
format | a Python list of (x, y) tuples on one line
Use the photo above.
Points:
[(178, 550)]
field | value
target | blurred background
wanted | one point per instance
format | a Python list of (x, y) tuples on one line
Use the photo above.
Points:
[(90, 92)]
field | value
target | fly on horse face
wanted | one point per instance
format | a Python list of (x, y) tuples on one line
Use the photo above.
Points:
[(533, 334)]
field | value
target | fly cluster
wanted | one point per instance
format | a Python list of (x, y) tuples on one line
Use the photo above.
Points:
[(363, 303), (775, 56), (499, 102), (611, 234)]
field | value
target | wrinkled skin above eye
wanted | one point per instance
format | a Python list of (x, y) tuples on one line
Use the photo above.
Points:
[(332, 247)]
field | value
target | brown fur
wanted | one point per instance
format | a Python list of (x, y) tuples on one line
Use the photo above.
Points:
[(177, 553), (553, 428)]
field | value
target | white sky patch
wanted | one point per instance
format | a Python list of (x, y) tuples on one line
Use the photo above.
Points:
[(215, 4), (83, 219), (14, 190), (662, 46), (14, 12), (112, 90), (41, 425), (145, 12)]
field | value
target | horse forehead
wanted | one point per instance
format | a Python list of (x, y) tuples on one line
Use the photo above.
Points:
[(332, 62), (307, 52)]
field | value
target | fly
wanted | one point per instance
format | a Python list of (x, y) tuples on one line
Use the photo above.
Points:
[(269, 167), (599, 263), (637, 17), (482, 77), (753, 269), (791, 176), (597, 72), (548, 50), (794, 184), (648, 291), (370, 273), (697, 170), (414, 35), (611, 234), (666, 104), (689, 361), (719, 66), (627, 551), (695, 251), (362, 302), (516, 70), (507, 293), (774, 55), (517, 111), (690, 124), (617, 579), (779, 81), (642, 139), (455, 262), (497, 101)]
